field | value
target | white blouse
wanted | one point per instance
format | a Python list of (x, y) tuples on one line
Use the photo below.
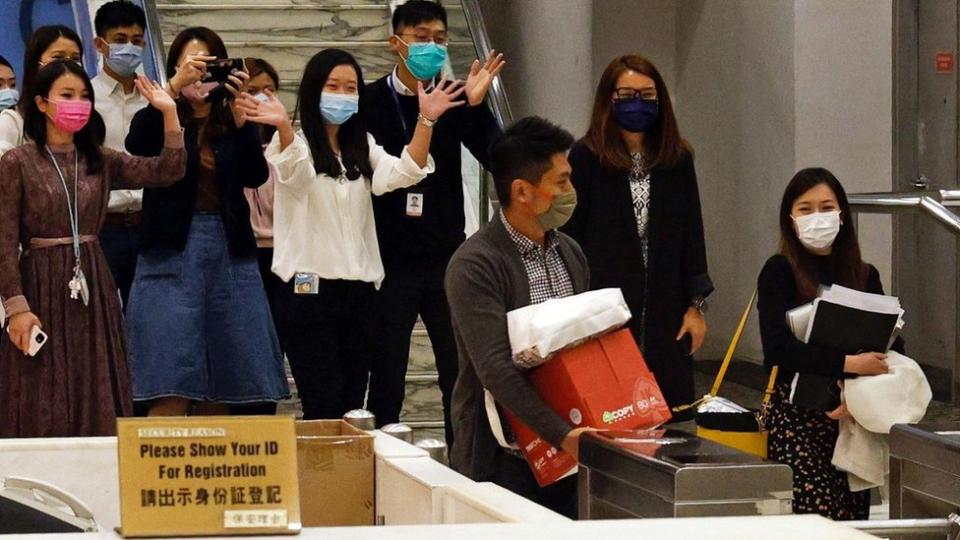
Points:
[(324, 225)]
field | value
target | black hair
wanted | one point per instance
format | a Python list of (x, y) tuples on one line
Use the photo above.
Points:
[(415, 12), (221, 121), (259, 66), (352, 135), (5, 62), (39, 42), (116, 14), (525, 150), (35, 121)]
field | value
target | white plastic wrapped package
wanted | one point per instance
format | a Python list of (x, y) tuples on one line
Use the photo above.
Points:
[(540, 330)]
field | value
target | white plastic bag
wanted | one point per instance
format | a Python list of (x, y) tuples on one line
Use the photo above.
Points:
[(538, 331)]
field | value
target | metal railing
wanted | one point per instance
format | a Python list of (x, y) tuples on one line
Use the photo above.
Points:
[(932, 203)]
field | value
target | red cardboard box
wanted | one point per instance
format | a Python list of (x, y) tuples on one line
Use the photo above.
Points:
[(603, 383)]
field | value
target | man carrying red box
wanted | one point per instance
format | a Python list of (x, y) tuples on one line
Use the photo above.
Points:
[(517, 259)]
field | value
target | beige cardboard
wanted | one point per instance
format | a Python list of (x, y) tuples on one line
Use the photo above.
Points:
[(336, 469), (208, 476)]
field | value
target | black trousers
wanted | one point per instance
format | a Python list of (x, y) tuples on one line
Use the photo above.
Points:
[(514, 473), (121, 246), (271, 282), (327, 338), (413, 286)]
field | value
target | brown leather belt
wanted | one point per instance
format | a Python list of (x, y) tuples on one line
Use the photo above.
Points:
[(124, 219), (44, 243)]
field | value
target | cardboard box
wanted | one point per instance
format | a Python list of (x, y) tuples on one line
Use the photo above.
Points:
[(603, 383), (335, 462)]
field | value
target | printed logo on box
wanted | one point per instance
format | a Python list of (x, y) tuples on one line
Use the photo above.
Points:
[(575, 416), (610, 417)]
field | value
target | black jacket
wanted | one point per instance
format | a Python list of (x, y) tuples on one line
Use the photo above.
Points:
[(168, 212), (605, 226), (440, 229)]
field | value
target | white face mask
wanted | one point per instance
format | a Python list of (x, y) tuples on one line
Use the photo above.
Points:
[(818, 231)]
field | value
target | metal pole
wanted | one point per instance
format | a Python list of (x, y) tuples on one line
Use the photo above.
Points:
[(903, 527)]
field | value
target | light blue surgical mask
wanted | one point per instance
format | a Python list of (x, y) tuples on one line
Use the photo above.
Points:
[(261, 97), (124, 58), (338, 108), (8, 98), (425, 60)]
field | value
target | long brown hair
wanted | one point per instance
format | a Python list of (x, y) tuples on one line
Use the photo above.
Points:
[(846, 264), (663, 143)]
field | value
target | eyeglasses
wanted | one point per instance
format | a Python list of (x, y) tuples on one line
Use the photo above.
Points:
[(440, 38), (647, 94)]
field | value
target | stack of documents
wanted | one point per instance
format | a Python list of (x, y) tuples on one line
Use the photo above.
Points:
[(844, 320)]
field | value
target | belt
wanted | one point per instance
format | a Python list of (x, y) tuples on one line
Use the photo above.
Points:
[(44, 243), (124, 219)]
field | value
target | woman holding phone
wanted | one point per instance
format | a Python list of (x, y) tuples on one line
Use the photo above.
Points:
[(201, 335)]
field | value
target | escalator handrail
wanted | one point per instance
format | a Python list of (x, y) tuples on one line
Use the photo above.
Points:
[(481, 42), (155, 35)]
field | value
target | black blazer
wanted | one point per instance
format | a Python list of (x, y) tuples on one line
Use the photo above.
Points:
[(440, 229), (168, 211), (605, 226)]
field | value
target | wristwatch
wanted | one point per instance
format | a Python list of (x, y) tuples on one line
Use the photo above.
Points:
[(426, 121), (700, 304)]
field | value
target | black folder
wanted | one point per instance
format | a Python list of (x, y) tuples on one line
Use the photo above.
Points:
[(850, 331)]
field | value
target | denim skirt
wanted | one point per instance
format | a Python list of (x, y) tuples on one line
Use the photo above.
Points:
[(199, 325)]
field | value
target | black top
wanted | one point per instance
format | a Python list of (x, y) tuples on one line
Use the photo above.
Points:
[(605, 225), (168, 212), (440, 228), (776, 295)]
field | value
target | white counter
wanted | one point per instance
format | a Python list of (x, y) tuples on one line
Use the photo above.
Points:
[(737, 528)]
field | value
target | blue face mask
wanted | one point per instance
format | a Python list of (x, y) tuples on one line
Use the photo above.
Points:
[(636, 115), (425, 60), (261, 97), (124, 58), (338, 108), (8, 98)]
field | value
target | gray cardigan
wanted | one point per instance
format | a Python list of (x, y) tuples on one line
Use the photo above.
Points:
[(486, 279)]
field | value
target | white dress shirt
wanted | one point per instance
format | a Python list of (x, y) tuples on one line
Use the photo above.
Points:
[(324, 225), (117, 109)]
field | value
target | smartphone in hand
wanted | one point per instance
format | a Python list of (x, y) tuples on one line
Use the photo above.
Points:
[(219, 70)]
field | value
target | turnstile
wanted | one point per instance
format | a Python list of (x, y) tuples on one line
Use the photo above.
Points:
[(671, 473)]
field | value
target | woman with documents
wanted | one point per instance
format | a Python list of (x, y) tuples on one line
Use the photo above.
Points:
[(843, 335)]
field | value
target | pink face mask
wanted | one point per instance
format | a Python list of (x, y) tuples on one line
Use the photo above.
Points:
[(71, 114)]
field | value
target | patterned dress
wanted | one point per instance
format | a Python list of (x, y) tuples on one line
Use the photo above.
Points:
[(79, 382)]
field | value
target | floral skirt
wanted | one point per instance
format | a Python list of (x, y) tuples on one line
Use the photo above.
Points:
[(805, 439)]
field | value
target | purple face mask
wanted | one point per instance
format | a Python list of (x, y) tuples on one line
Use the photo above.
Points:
[(199, 93)]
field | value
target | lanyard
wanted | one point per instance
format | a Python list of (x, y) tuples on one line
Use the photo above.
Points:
[(396, 103), (73, 208)]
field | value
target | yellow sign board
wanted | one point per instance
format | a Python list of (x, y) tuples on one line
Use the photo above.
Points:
[(208, 476)]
